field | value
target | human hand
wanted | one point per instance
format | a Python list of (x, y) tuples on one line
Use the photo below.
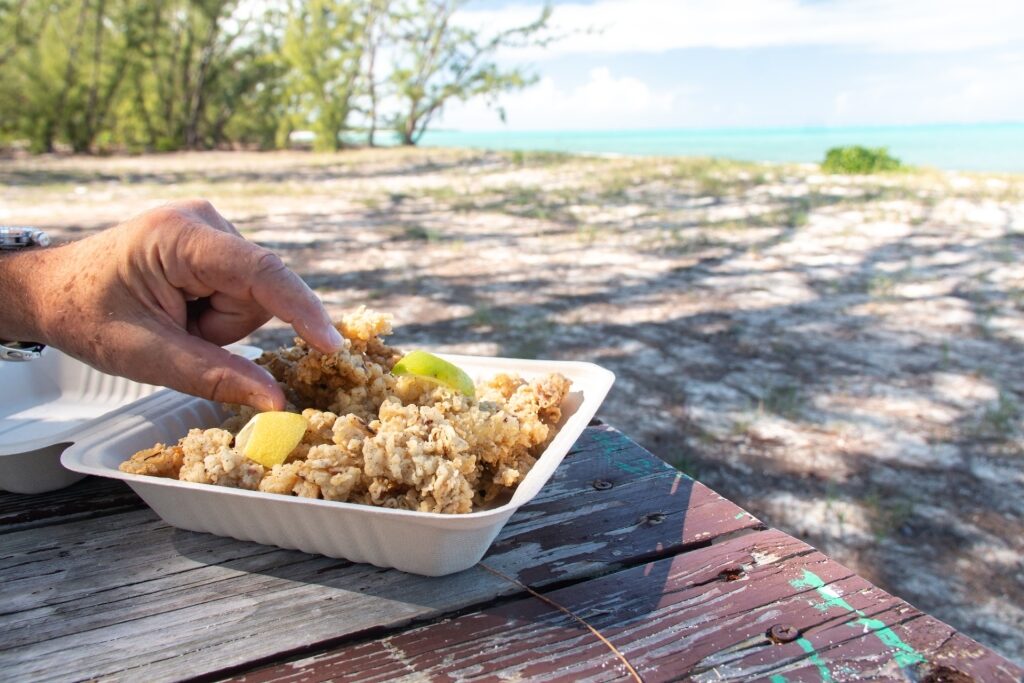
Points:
[(154, 299)]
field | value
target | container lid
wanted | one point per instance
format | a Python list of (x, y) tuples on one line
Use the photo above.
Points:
[(48, 400)]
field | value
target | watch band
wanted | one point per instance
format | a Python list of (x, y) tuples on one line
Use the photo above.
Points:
[(21, 237), (20, 351)]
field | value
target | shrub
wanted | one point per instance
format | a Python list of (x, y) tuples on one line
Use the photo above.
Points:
[(858, 159)]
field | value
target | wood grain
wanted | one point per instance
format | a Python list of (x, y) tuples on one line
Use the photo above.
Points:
[(702, 616), (91, 497), (126, 596)]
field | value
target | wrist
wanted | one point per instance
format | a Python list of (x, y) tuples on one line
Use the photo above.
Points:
[(22, 278)]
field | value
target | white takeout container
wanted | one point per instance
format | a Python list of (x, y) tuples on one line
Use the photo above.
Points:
[(427, 543), (45, 405)]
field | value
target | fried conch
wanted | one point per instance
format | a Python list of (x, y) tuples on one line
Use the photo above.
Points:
[(376, 439)]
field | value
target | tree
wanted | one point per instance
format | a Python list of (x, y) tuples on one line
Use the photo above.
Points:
[(40, 78), (200, 61), (323, 48), (374, 35), (196, 74), (439, 60), (20, 26), (112, 40), (254, 106), (63, 85)]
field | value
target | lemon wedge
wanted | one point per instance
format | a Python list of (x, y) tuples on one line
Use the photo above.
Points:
[(268, 438), (434, 369)]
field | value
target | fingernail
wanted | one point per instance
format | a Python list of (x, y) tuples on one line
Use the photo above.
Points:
[(334, 337), (262, 403)]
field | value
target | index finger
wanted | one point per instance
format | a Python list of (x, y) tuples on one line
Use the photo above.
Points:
[(221, 262)]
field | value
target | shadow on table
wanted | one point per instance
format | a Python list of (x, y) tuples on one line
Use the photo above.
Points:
[(606, 508), (723, 371)]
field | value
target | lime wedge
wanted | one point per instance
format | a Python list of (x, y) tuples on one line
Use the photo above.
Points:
[(268, 438), (429, 367)]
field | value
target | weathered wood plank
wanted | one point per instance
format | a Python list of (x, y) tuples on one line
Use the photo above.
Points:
[(88, 498), (704, 616), (650, 510), (127, 595)]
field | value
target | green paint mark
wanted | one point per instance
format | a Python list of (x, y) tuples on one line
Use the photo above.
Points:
[(635, 467), (739, 515), (778, 678), (810, 580), (608, 443), (905, 654), (641, 465), (612, 448), (815, 659)]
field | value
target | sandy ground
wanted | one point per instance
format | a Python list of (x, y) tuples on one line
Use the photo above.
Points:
[(842, 356)]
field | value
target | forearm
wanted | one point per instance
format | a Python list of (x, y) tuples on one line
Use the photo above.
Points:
[(23, 277), (120, 301)]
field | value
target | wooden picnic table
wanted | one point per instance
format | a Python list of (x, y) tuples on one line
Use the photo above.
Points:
[(622, 568)]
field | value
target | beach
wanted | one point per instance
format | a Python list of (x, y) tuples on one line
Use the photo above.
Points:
[(951, 147), (840, 355)]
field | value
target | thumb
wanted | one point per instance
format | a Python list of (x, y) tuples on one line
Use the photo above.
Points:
[(194, 366)]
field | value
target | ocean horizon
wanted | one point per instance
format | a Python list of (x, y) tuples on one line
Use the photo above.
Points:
[(994, 147)]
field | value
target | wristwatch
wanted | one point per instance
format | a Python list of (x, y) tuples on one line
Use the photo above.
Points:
[(12, 238), (15, 237)]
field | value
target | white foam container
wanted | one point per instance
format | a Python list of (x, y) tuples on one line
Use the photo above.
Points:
[(428, 543), (45, 405)]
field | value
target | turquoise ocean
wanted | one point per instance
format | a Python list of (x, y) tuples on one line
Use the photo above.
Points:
[(980, 147)]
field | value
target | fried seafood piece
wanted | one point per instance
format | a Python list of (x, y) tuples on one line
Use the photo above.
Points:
[(535, 405), (322, 475), (527, 412), (333, 470), (283, 479), (209, 459), (491, 442), (418, 448), (242, 415), (158, 461), (331, 464), (374, 439), (500, 387), (542, 398), (319, 430), (356, 379), (319, 426)]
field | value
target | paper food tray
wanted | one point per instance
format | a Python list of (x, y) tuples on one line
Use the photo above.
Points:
[(427, 543), (46, 403)]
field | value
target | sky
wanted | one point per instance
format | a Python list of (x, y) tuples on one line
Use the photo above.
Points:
[(642, 64)]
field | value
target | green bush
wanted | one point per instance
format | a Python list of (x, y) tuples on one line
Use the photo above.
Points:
[(857, 159)]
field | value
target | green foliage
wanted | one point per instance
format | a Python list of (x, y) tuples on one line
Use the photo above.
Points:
[(323, 49), (440, 61), (134, 75), (855, 159)]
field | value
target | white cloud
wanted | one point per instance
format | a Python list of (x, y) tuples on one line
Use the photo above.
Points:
[(603, 101), (651, 26), (964, 94)]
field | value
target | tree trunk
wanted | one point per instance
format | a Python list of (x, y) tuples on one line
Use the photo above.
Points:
[(373, 109), (409, 127), (198, 95), (371, 48), (46, 139), (86, 136), (59, 116)]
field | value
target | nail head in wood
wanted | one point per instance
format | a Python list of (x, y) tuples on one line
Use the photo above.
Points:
[(653, 518), (783, 633)]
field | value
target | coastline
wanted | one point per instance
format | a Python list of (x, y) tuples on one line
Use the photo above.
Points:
[(995, 147)]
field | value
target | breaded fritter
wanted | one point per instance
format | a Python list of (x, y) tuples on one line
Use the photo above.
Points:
[(376, 439)]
